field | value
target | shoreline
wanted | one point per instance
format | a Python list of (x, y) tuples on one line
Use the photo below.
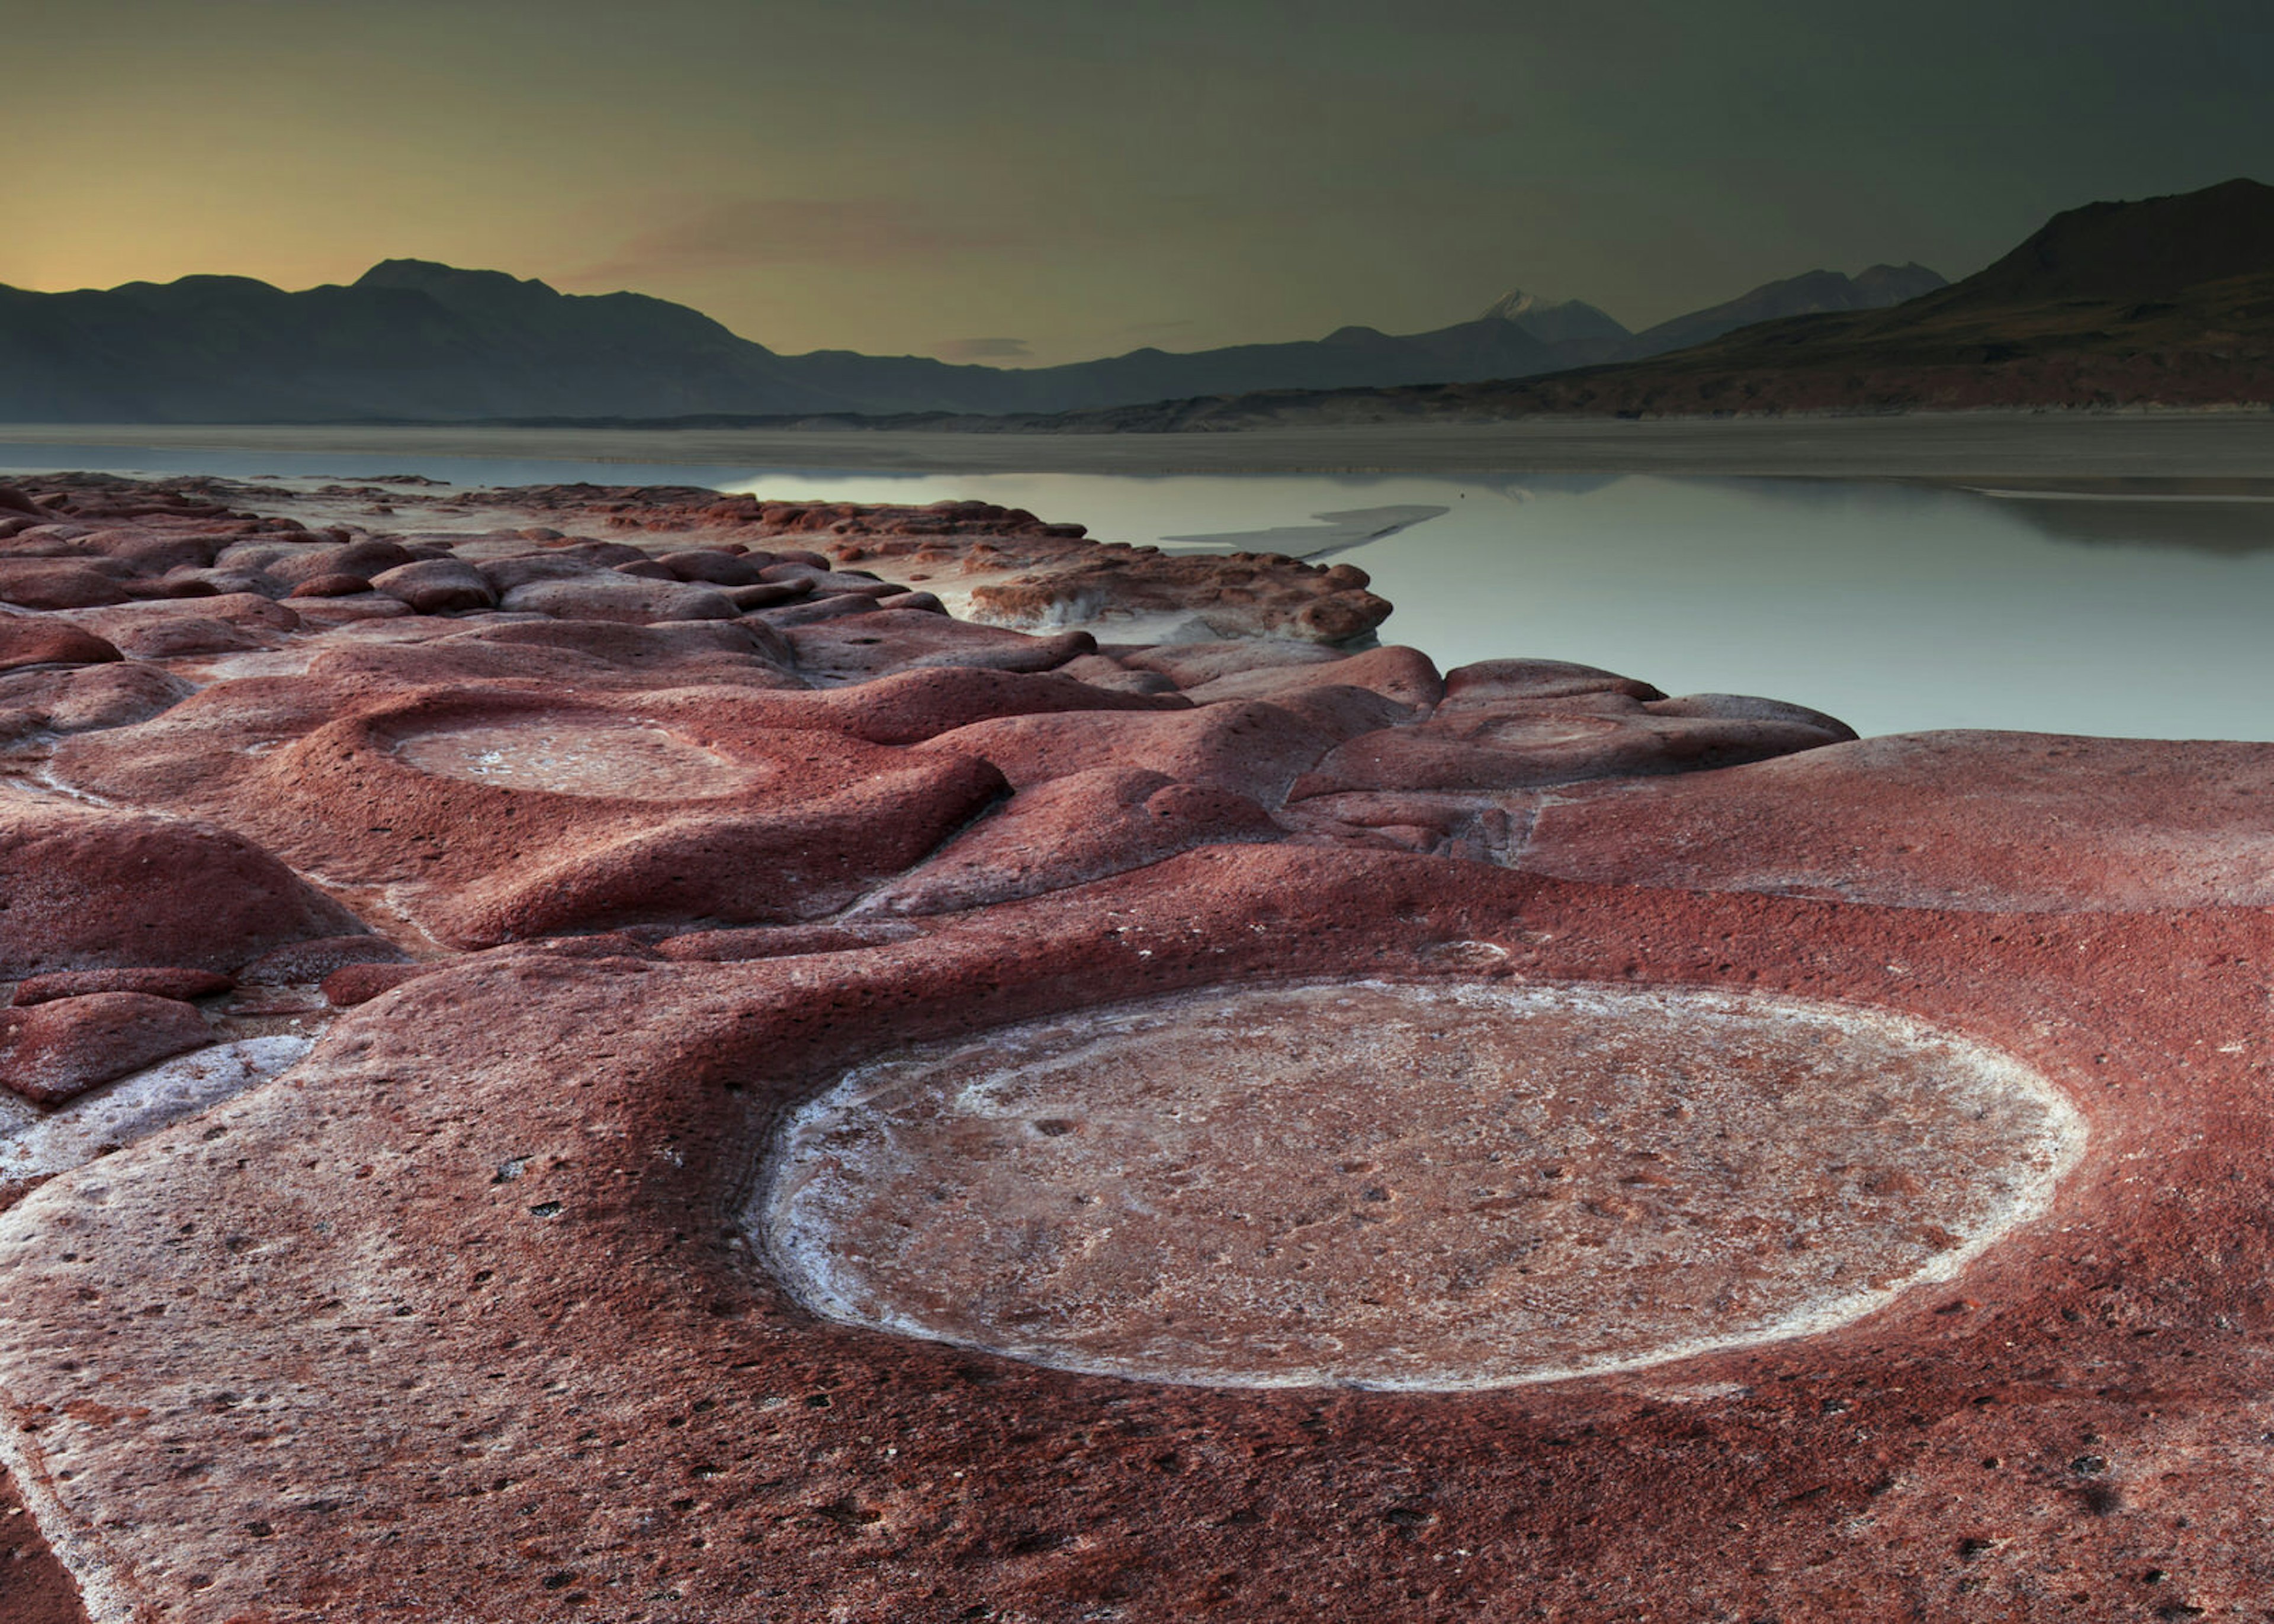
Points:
[(1947, 445)]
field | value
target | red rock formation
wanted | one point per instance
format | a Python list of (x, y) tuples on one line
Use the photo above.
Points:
[(1016, 570), (89, 890), (27, 640), (62, 1046), (1874, 1143), (640, 1382), (157, 982)]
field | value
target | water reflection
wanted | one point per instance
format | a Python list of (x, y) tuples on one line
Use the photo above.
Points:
[(2223, 525), (1899, 607), (2113, 607)]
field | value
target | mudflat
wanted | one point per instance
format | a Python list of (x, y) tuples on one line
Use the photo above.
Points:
[(2081, 445)]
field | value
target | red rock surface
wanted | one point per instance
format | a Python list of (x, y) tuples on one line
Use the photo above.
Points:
[(1015, 570), (58, 1048), (483, 1310), (26, 640), (88, 889), (1942, 821), (158, 982)]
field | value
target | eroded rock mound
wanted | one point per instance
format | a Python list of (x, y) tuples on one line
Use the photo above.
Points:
[(546, 1249), (87, 889)]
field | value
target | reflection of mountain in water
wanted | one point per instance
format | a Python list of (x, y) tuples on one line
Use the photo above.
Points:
[(2233, 523), (1335, 532)]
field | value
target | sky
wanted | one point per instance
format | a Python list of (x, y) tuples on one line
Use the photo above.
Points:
[(1028, 181)]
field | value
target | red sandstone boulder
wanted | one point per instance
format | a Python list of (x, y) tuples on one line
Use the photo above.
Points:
[(1407, 675), (1254, 749), (112, 696), (668, 646), (1465, 748), (1189, 665), (331, 584), (1099, 670), (177, 983), (187, 636), (810, 611), (366, 557), (90, 697), (56, 1050), (85, 890), (1489, 680), (1069, 831), (436, 586), (639, 603), (911, 706), (1240, 595), (56, 583), (26, 640), (714, 567), (524, 568), (768, 594), (896, 640), (248, 612), (152, 551)]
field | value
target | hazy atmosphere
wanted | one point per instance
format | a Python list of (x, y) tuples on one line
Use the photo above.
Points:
[(1018, 180)]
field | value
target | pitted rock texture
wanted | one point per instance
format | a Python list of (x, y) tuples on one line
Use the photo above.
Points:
[(84, 889), (530, 1355), (1400, 1187), (62, 1046), (1946, 820), (454, 1315)]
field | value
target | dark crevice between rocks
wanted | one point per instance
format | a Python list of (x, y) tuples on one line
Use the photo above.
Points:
[(34, 1587)]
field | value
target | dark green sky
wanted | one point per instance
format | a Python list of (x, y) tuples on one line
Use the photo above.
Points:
[(925, 175)]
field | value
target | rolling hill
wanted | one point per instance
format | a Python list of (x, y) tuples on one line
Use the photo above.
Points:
[(2163, 302), (412, 341)]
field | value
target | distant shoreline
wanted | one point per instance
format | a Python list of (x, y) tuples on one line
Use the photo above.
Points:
[(2079, 445)]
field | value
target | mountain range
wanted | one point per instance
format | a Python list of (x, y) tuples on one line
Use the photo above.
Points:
[(418, 341), (2166, 301)]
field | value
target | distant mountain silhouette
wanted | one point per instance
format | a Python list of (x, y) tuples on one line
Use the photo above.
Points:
[(1587, 336), (1556, 322), (2166, 301), (1875, 288), (411, 340), (2128, 253)]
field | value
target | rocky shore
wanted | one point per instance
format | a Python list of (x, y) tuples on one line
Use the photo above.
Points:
[(626, 1053)]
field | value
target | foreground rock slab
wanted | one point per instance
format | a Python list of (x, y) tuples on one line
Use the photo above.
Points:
[(504, 1339), (722, 1089)]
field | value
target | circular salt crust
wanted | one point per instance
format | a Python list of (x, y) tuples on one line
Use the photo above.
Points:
[(614, 760), (1407, 1187)]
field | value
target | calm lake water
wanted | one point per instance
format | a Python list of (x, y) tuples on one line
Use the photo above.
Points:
[(1896, 606)]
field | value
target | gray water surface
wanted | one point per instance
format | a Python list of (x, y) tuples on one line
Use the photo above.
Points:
[(1898, 606)]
